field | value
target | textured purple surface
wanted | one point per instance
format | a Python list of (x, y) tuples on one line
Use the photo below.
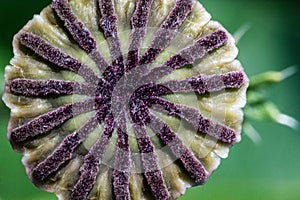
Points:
[(46, 122), (64, 152), (189, 55), (167, 30), (56, 56), (191, 164), (196, 119), (122, 162), (31, 88), (90, 168), (151, 167), (75, 27), (109, 25), (123, 93), (80, 34), (207, 83), (139, 22)]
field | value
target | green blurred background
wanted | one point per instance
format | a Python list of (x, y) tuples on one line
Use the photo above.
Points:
[(269, 170)]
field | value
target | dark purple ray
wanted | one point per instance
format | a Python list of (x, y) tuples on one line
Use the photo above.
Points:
[(139, 23), (90, 168), (201, 84), (191, 164), (208, 83), (33, 88), (150, 90), (122, 163), (193, 117), (138, 112), (167, 30), (198, 50), (190, 54), (64, 151), (79, 32), (109, 25), (57, 57), (46, 122), (152, 169)]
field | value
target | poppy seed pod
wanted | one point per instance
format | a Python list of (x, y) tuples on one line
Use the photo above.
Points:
[(123, 99)]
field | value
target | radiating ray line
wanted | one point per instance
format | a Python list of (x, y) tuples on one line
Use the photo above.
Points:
[(139, 21), (194, 118), (122, 163), (167, 30), (207, 83), (33, 88), (57, 57), (150, 90), (79, 32), (189, 55), (48, 121), (108, 23), (191, 164), (139, 113), (151, 167), (201, 84), (90, 168), (64, 151)]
